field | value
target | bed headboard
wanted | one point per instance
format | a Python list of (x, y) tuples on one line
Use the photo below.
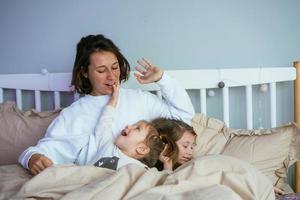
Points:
[(200, 79)]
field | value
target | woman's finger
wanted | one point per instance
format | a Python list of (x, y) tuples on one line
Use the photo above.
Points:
[(144, 63), (39, 166), (34, 170), (118, 85), (46, 162), (140, 69), (139, 78), (148, 63)]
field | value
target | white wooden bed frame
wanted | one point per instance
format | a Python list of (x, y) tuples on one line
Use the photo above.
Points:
[(201, 79)]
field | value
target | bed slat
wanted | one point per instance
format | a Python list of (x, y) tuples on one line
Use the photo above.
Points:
[(19, 98), (37, 100), (1, 95), (226, 105), (249, 106), (273, 114), (56, 100), (203, 100)]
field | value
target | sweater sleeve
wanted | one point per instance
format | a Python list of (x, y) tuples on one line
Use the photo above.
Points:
[(176, 102), (59, 145)]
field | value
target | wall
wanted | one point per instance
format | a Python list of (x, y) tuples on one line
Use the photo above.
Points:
[(174, 34)]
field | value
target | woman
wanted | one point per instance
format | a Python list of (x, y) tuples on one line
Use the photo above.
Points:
[(98, 66)]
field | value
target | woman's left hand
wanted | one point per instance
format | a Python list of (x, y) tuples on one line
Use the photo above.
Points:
[(148, 72)]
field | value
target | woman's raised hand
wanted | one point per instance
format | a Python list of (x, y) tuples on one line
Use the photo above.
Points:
[(148, 72)]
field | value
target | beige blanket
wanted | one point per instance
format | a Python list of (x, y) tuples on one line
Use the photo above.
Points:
[(208, 177)]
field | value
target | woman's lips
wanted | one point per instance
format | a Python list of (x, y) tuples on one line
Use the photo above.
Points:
[(110, 84)]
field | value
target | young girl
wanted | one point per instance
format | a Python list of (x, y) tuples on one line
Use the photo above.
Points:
[(180, 139), (138, 143), (181, 149)]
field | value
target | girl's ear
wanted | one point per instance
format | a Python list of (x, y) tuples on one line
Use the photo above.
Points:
[(142, 149)]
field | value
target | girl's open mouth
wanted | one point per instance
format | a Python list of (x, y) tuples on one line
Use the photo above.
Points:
[(123, 133)]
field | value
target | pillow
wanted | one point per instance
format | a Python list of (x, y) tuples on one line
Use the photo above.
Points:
[(211, 137), (19, 130), (272, 151)]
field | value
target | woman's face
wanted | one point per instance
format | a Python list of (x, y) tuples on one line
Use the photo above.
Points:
[(186, 146), (103, 72)]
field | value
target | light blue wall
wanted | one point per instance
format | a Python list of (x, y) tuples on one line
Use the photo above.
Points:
[(39, 34), (174, 34)]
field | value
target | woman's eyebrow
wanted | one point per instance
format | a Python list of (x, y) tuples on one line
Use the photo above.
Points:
[(115, 63), (103, 66)]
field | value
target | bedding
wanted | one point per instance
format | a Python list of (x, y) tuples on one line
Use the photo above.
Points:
[(19, 130), (295, 196), (213, 138), (207, 177), (272, 151)]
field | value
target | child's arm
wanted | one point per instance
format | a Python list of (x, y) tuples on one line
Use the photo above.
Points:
[(167, 161), (103, 130), (115, 96)]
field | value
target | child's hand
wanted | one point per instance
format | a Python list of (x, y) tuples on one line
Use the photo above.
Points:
[(168, 164), (149, 72), (115, 95), (278, 191)]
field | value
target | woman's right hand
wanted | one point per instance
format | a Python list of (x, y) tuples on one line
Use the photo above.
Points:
[(149, 73), (38, 163)]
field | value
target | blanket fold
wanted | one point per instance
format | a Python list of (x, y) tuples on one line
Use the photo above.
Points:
[(207, 177)]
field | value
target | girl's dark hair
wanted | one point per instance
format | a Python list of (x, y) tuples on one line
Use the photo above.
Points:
[(87, 46), (172, 130)]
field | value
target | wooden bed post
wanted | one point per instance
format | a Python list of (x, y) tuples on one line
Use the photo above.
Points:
[(297, 118)]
